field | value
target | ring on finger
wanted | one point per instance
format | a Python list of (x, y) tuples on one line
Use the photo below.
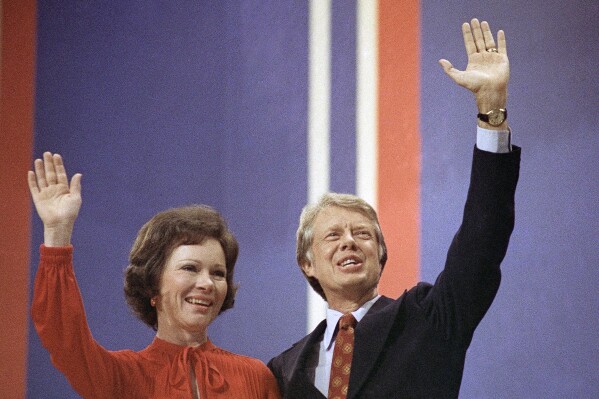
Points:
[(491, 50)]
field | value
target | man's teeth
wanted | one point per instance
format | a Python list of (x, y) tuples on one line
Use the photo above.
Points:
[(349, 262), (197, 301)]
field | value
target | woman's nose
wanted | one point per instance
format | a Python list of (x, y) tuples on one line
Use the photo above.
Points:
[(204, 282)]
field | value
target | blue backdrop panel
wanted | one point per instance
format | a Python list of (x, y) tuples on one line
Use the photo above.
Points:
[(343, 97), (161, 104), (540, 337)]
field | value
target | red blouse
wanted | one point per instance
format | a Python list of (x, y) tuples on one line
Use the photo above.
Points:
[(159, 371)]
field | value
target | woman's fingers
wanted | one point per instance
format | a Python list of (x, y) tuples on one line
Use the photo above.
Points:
[(32, 182), (75, 187), (40, 174), (61, 173), (49, 170)]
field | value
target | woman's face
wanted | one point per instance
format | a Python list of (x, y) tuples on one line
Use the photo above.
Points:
[(192, 290)]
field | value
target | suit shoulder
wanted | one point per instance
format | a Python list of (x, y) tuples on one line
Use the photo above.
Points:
[(291, 351), (285, 360), (418, 293)]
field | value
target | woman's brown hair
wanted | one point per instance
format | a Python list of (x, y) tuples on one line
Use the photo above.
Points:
[(156, 241)]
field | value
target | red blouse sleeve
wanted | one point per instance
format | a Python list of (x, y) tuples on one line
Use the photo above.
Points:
[(59, 318)]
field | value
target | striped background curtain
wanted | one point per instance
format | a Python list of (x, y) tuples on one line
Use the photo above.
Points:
[(258, 107)]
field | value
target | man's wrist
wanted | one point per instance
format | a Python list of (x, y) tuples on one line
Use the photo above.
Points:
[(488, 99)]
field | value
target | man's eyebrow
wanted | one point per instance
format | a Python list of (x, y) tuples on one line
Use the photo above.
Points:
[(360, 225), (363, 224)]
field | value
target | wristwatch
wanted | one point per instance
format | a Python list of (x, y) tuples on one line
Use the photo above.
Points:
[(494, 117)]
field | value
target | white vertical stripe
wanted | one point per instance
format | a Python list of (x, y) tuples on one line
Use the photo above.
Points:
[(366, 101), (319, 121)]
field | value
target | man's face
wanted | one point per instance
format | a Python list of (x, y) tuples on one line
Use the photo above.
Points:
[(345, 257)]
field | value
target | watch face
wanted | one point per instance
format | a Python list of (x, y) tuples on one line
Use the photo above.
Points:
[(496, 117)]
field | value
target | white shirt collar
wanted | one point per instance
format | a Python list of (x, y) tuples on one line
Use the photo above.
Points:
[(333, 317)]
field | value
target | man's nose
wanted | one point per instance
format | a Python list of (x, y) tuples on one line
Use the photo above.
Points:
[(347, 241)]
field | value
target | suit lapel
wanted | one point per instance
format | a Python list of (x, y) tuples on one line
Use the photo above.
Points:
[(301, 384), (371, 334)]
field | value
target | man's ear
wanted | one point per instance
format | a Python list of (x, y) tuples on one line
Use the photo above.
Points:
[(308, 269)]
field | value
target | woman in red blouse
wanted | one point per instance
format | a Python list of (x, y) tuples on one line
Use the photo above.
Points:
[(179, 279)]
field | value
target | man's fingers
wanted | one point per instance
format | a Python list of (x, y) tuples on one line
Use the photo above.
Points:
[(449, 69), (446, 65), (453, 73), (487, 35), (468, 39), (501, 45), (477, 33)]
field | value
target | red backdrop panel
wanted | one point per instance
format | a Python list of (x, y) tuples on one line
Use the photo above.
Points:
[(16, 129), (399, 142)]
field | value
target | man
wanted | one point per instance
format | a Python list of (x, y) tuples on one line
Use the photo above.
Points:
[(415, 346)]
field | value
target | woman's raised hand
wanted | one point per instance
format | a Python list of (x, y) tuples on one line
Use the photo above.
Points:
[(57, 203)]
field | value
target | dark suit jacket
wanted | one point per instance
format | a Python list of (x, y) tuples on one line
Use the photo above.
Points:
[(415, 346)]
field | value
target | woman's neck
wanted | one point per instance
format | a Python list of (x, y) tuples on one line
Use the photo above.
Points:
[(183, 338)]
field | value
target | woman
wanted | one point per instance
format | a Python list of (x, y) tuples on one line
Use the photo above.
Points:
[(178, 280)]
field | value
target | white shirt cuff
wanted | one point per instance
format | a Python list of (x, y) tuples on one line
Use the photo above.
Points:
[(498, 141)]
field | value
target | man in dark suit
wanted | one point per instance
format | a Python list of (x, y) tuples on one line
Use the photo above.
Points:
[(414, 346)]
